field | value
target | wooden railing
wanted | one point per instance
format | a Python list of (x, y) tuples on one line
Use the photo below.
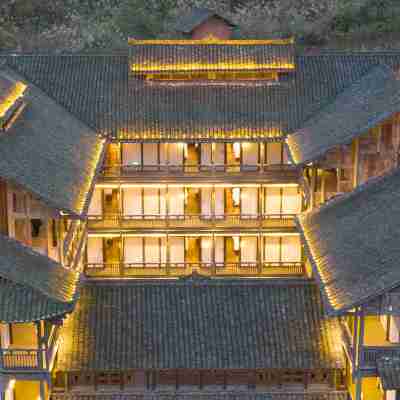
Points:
[(182, 269), (121, 170), (370, 354), (120, 220), (220, 395), (21, 359), (28, 359)]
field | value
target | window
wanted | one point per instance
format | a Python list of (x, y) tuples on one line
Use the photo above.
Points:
[(282, 249)]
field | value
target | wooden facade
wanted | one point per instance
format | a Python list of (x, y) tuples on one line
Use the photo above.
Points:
[(198, 378)]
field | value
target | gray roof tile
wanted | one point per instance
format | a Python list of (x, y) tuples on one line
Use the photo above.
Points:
[(353, 241), (206, 324), (389, 373), (32, 286), (98, 90), (51, 153)]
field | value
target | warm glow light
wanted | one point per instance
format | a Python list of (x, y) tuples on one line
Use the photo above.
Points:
[(280, 234), (11, 384), (236, 196), (17, 92), (236, 149), (247, 133), (281, 185), (236, 243), (209, 40)]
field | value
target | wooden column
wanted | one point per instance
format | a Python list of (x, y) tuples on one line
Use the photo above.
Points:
[(214, 267), (354, 344), (259, 256), (121, 255), (313, 184), (260, 206), (356, 162), (323, 181), (167, 254), (213, 203), (167, 204)]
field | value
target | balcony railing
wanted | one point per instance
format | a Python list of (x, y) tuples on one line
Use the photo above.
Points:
[(182, 269), (119, 220), (28, 359), (21, 359), (370, 354), (122, 170)]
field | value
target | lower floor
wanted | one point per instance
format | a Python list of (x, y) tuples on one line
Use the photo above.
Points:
[(15, 388)]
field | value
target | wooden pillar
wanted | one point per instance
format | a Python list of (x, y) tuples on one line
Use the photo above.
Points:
[(214, 266), (167, 254), (41, 360), (260, 206), (212, 208), (313, 185), (360, 342), (259, 255), (167, 204), (42, 390), (121, 255), (356, 162), (262, 156), (354, 344), (323, 182), (358, 384)]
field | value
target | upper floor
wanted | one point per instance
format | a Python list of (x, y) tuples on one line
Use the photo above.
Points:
[(202, 206), (344, 167), (265, 161)]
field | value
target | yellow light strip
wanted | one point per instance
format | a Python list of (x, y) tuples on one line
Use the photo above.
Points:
[(243, 133), (211, 40), (17, 92), (192, 185), (160, 235), (218, 66), (80, 204), (280, 234)]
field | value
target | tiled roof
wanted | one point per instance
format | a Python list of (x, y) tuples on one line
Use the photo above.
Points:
[(6, 87), (149, 56), (206, 324), (98, 90), (187, 22), (352, 243), (51, 154), (389, 373), (209, 396), (375, 97), (32, 286)]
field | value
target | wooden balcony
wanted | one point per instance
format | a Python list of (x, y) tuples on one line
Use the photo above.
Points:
[(255, 172), (141, 270), (145, 221), (20, 359)]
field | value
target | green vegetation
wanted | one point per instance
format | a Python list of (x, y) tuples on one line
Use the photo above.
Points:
[(89, 24)]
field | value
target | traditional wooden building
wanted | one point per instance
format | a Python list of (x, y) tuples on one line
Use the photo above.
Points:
[(48, 160), (212, 268)]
